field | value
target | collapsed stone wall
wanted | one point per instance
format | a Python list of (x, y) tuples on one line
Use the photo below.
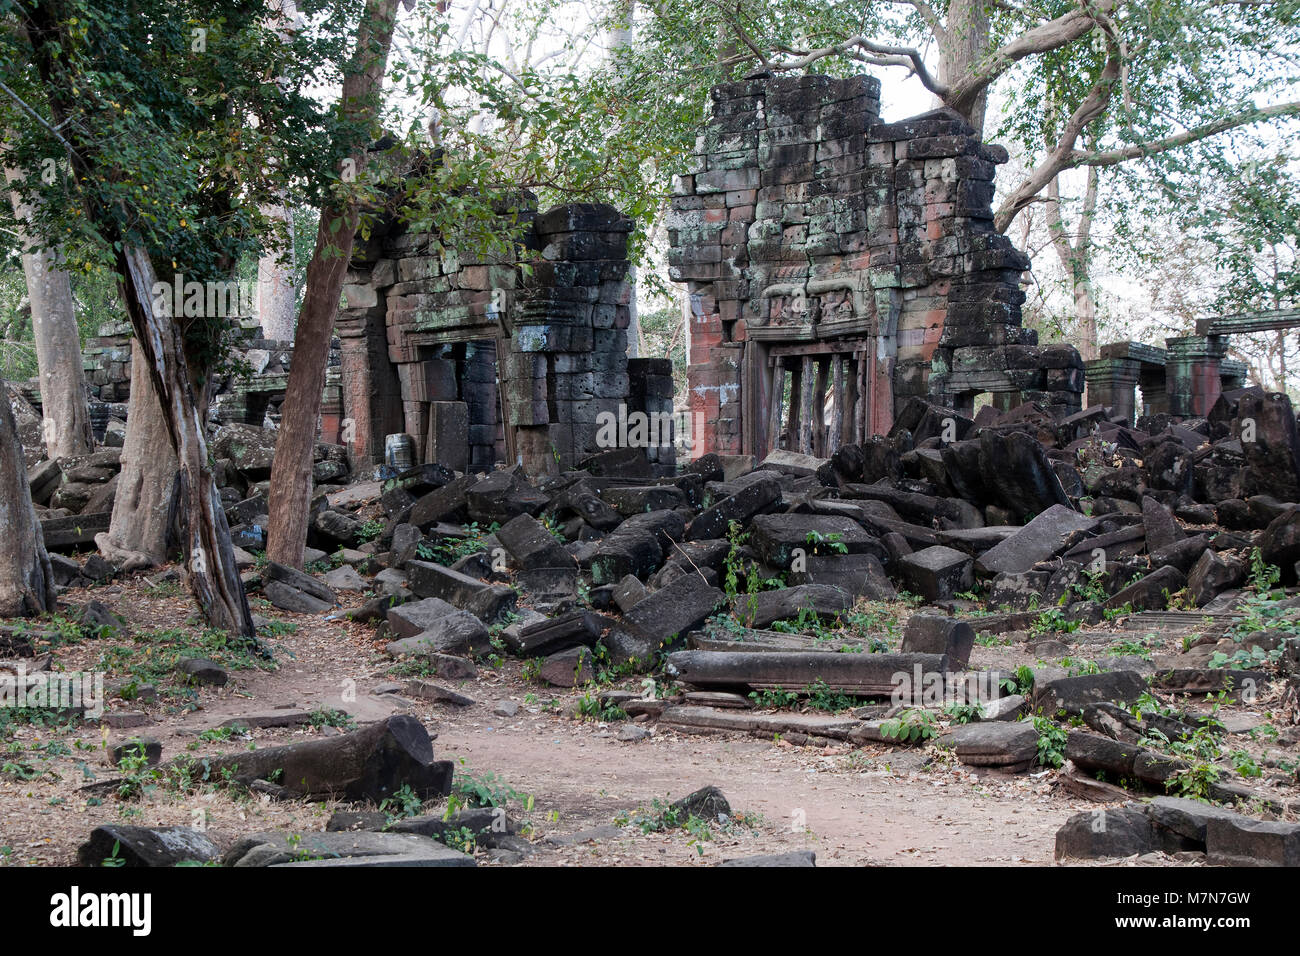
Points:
[(511, 359), (850, 262)]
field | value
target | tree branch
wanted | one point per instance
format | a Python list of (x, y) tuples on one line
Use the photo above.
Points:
[(897, 56), (1041, 39), (1243, 117), (1058, 158)]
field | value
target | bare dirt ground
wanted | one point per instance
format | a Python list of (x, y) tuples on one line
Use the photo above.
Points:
[(875, 806)]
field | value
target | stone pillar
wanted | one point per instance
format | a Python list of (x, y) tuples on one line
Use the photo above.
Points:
[(1192, 374), (650, 393), (369, 391), (331, 409), (565, 366), (448, 426), (1113, 382)]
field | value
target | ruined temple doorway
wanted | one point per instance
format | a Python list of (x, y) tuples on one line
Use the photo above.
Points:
[(816, 396), (458, 421)]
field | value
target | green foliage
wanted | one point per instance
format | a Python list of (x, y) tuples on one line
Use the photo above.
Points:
[(912, 726), (1093, 587), (1052, 621), (1020, 682), (775, 698), (1245, 764), (591, 708), (329, 717), (448, 550), (1079, 666), (1245, 658), (961, 713), (821, 697), (403, 803), (1194, 781), (1051, 741), (486, 790), (151, 656), (1137, 647), (826, 543)]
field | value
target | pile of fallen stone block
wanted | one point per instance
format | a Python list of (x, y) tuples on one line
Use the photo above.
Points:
[(726, 581)]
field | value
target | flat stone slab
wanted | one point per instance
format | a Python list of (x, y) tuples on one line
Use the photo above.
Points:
[(343, 848), (268, 719), (1046, 535), (996, 744), (794, 858)]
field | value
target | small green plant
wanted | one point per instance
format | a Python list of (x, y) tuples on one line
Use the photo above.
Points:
[(1052, 621), (486, 790), (1020, 682), (832, 543), (1051, 742), (1135, 647), (1195, 781), (1078, 666), (404, 803), (531, 669), (1111, 613), (329, 717), (1263, 576), (370, 530), (912, 726), (1245, 764), (962, 713), (1092, 588), (821, 697), (590, 708), (114, 859), (775, 698)]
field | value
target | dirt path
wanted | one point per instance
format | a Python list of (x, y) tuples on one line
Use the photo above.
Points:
[(880, 805)]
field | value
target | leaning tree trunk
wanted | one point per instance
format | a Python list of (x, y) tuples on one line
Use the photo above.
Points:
[(58, 345), (286, 533), (26, 580), (210, 568), (137, 536)]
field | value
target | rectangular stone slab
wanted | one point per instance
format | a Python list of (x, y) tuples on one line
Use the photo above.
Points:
[(74, 530), (687, 716), (1044, 536), (860, 674)]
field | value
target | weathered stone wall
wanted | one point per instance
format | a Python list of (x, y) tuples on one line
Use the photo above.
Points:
[(856, 257), (485, 361), (106, 362)]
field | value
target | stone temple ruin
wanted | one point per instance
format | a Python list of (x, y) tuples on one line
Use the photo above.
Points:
[(486, 362), (850, 536), (838, 265)]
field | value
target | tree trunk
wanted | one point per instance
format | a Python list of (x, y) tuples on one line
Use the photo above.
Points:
[(291, 471), (963, 41), (276, 295), (26, 580), (1076, 260), (210, 570), (137, 536), (58, 345)]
